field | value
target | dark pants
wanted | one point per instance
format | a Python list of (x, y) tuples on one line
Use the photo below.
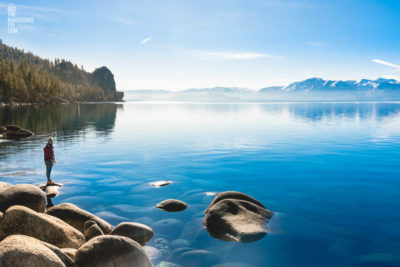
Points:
[(49, 165)]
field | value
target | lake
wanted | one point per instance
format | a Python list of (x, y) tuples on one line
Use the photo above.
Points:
[(329, 171)]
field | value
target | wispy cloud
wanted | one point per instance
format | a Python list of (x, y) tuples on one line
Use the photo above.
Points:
[(124, 20), (145, 40), (235, 55), (382, 62)]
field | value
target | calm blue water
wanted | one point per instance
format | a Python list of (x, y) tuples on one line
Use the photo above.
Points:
[(330, 171)]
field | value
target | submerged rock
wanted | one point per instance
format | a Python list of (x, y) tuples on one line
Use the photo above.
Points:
[(25, 251), (162, 245), (167, 264), (237, 220), (22, 194), (172, 205), (199, 258), (112, 251), (139, 232), (179, 243), (176, 253), (233, 264), (153, 253), (24, 221), (91, 229), (168, 227), (17, 132), (233, 195), (77, 217)]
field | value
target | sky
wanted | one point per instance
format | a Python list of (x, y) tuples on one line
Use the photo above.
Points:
[(182, 44)]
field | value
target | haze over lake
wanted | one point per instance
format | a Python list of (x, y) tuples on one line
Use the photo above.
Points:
[(328, 170)]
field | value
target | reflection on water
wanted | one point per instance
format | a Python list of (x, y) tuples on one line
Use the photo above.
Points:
[(66, 122), (330, 171), (62, 119)]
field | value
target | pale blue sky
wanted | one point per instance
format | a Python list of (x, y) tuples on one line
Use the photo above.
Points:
[(177, 44)]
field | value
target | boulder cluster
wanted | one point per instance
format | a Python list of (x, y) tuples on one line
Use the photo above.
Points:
[(64, 235), (33, 235)]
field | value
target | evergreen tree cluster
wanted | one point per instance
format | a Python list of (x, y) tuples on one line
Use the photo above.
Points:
[(27, 78)]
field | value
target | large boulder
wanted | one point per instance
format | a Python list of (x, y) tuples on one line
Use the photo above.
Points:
[(234, 216), (25, 251), (22, 194), (77, 217), (233, 195), (172, 205), (141, 233), (91, 229), (237, 220), (24, 221), (112, 251)]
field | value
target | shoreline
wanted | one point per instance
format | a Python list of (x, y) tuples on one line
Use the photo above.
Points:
[(30, 224), (3, 104)]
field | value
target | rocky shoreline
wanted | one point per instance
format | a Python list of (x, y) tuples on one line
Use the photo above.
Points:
[(32, 234), (3, 104)]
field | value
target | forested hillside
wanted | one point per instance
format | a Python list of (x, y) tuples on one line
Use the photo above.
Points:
[(27, 78)]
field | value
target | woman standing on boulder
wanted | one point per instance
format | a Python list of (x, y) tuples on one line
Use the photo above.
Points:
[(49, 159)]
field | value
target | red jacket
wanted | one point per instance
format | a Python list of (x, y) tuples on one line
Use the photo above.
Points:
[(48, 153)]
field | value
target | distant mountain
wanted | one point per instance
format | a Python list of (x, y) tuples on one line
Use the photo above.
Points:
[(220, 94), (314, 89), (320, 85), (27, 78), (217, 90)]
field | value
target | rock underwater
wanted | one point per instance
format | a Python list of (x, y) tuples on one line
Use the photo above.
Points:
[(17, 132), (172, 205)]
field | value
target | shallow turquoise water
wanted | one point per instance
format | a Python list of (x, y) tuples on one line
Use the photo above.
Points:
[(330, 171)]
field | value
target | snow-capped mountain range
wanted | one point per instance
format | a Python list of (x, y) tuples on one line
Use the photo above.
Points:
[(313, 89), (318, 84)]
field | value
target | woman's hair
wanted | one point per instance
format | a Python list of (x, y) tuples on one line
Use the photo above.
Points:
[(50, 141)]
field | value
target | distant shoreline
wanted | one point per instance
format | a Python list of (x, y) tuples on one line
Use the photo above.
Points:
[(2, 104)]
